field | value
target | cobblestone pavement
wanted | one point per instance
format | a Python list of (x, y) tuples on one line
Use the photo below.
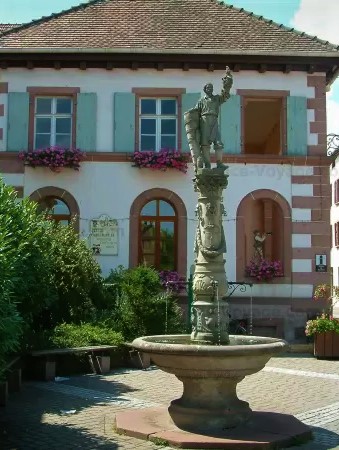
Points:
[(78, 413)]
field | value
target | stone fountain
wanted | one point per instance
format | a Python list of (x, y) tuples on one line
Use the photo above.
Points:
[(209, 362)]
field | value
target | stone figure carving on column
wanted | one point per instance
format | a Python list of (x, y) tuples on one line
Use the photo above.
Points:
[(202, 127)]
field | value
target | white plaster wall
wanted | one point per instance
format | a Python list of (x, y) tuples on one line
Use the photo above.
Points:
[(13, 179), (111, 188), (334, 217), (301, 214), (105, 83), (301, 240)]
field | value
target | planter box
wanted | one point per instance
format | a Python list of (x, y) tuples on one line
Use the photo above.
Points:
[(326, 345)]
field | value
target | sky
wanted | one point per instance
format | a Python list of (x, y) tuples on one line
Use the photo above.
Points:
[(316, 17)]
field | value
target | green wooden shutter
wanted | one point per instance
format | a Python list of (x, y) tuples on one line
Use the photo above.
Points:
[(188, 101), (230, 124), (86, 122), (296, 125), (124, 122), (18, 117)]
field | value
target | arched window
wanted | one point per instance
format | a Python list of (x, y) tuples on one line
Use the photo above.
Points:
[(158, 226), (56, 209)]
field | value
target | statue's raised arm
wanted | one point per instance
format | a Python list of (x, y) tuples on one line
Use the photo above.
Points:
[(227, 82)]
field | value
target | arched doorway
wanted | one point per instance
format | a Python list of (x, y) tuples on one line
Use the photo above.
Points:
[(268, 214)]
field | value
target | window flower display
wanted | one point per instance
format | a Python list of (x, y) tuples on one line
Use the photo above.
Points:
[(54, 158), (263, 269), (162, 160)]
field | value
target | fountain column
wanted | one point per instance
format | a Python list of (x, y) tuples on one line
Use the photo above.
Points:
[(210, 316)]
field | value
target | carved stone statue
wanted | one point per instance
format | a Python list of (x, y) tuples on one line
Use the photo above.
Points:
[(259, 242), (201, 124)]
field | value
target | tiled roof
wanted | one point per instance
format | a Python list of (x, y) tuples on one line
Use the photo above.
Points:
[(160, 25), (7, 26)]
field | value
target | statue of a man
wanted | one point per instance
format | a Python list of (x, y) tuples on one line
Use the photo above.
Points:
[(202, 127)]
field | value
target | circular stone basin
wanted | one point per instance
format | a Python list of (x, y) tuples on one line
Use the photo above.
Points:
[(210, 374)]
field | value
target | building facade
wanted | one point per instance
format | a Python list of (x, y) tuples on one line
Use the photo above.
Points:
[(76, 80)]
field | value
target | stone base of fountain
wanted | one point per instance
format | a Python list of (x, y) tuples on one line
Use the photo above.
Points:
[(263, 430)]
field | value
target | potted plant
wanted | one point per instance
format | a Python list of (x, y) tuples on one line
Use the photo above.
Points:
[(325, 327), (263, 269), (162, 160), (54, 158)]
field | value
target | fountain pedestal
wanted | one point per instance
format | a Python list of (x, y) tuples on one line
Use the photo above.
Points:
[(210, 317)]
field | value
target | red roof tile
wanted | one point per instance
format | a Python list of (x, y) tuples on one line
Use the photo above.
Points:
[(163, 25), (7, 26)]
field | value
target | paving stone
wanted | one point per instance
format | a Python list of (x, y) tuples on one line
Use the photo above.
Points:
[(32, 420)]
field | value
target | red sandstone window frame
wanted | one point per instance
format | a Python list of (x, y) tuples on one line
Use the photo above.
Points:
[(157, 219), (43, 91), (158, 93)]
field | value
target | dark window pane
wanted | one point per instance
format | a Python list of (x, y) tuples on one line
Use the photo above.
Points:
[(63, 140), (148, 126), (42, 140), (168, 126), (43, 125), (43, 106), (63, 222), (63, 125), (147, 143), (168, 142), (150, 209), (148, 106), (165, 209), (167, 246), (169, 107), (63, 106)]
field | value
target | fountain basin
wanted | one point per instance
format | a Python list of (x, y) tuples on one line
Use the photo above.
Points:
[(210, 374)]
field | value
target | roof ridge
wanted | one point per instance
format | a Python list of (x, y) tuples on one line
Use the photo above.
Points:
[(42, 19), (280, 25)]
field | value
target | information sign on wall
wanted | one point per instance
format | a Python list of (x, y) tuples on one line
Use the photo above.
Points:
[(104, 235), (320, 263)]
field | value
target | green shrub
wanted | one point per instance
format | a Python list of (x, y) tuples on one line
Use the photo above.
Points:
[(83, 335), (141, 305), (53, 277)]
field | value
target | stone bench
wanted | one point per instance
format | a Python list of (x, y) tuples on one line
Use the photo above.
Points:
[(98, 355)]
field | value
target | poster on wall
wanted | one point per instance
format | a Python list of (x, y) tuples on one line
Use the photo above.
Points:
[(104, 235)]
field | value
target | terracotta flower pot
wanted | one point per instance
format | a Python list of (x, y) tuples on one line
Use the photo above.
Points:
[(326, 345)]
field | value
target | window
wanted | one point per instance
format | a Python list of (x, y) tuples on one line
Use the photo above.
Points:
[(158, 235), (56, 209), (263, 125), (158, 123), (336, 234), (336, 191), (53, 121)]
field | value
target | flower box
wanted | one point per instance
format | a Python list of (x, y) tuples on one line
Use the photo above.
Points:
[(54, 158), (263, 270), (162, 160), (326, 345)]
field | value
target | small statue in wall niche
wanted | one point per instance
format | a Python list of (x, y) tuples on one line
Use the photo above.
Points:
[(202, 125), (259, 243)]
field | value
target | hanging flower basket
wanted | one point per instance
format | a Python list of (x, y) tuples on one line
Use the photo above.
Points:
[(162, 160), (54, 158), (263, 269)]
